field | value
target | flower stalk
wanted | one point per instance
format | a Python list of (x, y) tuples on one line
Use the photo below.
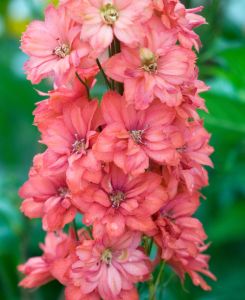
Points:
[(107, 81), (84, 83), (131, 166)]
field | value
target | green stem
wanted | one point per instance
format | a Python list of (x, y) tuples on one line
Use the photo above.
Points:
[(159, 276), (119, 87), (90, 231), (150, 244), (152, 294), (110, 51), (115, 48), (103, 73), (153, 286), (85, 84), (75, 229), (145, 243)]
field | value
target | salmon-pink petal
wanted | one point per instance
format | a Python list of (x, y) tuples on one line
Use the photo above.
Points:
[(114, 281), (142, 224), (112, 108), (95, 212), (31, 208), (115, 224)]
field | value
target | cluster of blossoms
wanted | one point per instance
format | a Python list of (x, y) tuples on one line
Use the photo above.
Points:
[(132, 165)]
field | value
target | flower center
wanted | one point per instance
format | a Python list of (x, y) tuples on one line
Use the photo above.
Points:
[(148, 60), (65, 195), (116, 198), (62, 50), (181, 149), (63, 192), (172, 230), (137, 135), (79, 145), (106, 256), (109, 14)]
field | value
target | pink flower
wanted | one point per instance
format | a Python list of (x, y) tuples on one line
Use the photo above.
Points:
[(110, 266), (195, 146), (131, 138), (54, 47), (191, 178), (74, 293), (156, 69), (49, 163), (174, 15), (59, 98), (39, 270), (177, 229), (102, 19), (193, 266), (191, 100), (188, 144), (181, 238), (72, 136), (189, 151), (36, 271), (120, 202), (48, 197)]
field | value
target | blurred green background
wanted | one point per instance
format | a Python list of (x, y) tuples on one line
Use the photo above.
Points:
[(222, 65)]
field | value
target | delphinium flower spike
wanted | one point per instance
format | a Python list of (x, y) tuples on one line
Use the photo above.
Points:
[(130, 166)]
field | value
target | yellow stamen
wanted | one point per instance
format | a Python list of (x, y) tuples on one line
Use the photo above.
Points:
[(106, 256), (148, 60), (109, 14), (62, 51)]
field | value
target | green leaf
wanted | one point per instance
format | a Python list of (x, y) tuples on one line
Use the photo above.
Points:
[(229, 226), (234, 65), (225, 113)]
